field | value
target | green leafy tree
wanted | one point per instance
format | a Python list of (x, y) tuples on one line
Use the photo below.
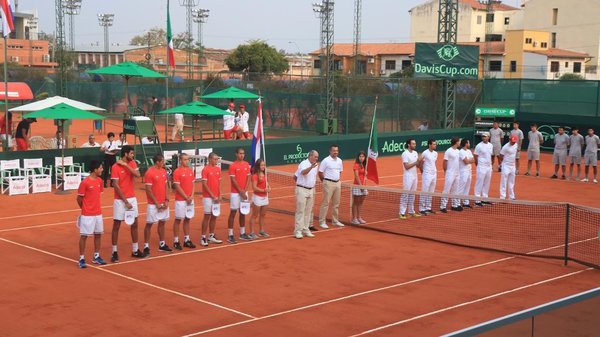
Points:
[(257, 57), (571, 77), (154, 37)]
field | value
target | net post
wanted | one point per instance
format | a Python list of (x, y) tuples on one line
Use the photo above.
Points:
[(567, 224)]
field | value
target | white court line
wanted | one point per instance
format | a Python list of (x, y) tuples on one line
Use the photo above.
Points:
[(53, 212), (221, 246), (130, 279), (471, 302)]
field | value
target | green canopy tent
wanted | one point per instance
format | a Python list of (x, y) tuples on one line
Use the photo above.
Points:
[(127, 70), (232, 93), (62, 112)]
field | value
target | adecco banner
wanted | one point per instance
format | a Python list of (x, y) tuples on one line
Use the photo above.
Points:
[(446, 61)]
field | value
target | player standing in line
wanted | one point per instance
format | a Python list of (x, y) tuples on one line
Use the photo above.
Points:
[(260, 199), (157, 209), (183, 185), (561, 144), (496, 137), (428, 176), (211, 194), (465, 172), (410, 161), (122, 174), (592, 142), (359, 194), (483, 160), (516, 131), (533, 149), (507, 160), (90, 222), (577, 142), (239, 172), (451, 167)]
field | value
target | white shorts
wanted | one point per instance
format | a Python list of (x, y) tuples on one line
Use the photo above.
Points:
[(207, 205), (533, 154), (90, 225), (119, 208), (590, 159), (180, 209), (154, 216), (575, 159), (359, 191), (559, 157), (260, 201), (234, 201), (496, 147)]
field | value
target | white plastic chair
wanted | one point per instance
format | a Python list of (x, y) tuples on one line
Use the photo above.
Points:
[(67, 171), (12, 180), (38, 176)]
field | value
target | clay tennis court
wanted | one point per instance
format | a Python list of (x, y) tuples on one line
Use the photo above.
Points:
[(345, 282)]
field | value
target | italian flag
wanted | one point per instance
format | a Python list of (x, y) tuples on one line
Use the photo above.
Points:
[(373, 152), (170, 54)]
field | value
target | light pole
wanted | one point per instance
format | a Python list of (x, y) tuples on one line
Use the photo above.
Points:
[(301, 59), (199, 16), (106, 20), (32, 24), (189, 5), (72, 7)]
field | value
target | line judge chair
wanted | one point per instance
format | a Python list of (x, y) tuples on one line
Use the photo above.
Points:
[(11, 174), (69, 169), (34, 170)]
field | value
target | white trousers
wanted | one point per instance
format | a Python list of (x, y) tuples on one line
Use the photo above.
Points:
[(450, 187), (507, 177), (482, 181), (408, 200), (464, 184), (305, 200), (428, 182)]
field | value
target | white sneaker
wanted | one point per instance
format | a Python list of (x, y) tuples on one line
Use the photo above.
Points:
[(362, 221), (323, 225), (355, 222), (298, 235), (584, 180), (308, 234), (339, 224), (213, 239), (595, 181)]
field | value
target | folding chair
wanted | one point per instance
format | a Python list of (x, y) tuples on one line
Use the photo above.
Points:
[(38, 176), (11, 177), (67, 173)]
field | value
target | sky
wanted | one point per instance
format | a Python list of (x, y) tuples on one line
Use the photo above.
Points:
[(290, 25)]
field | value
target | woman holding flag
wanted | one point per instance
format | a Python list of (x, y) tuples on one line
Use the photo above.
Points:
[(358, 193)]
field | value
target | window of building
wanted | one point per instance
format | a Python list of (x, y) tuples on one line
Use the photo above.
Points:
[(576, 67), (479, 19), (406, 64), (544, 44), (513, 66), (554, 16), (317, 64), (390, 65), (528, 40), (493, 37), (337, 65), (478, 39), (507, 21), (489, 17), (554, 66), (553, 40), (495, 66), (566, 64)]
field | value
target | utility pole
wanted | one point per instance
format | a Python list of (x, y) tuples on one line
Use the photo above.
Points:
[(357, 34), (200, 16), (324, 11), (447, 33), (106, 20), (189, 5), (72, 8)]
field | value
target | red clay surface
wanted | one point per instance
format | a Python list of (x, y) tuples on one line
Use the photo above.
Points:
[(344, 282)]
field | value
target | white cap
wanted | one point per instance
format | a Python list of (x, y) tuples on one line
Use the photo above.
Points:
[(485, 134)]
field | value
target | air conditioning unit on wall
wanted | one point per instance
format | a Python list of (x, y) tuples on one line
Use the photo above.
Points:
[(371, 60), (14, 59)]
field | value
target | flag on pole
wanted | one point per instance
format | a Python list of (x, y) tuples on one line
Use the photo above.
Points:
[(7, 18), (257, 139), (373, 151), (171, 54)]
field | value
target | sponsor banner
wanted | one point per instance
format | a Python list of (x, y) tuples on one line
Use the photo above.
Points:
[(18, 185), (72, 181), (446, 61), (41, 184)]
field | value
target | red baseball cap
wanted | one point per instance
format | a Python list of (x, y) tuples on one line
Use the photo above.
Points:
[(242, 106), (231, 105), (514, 138)]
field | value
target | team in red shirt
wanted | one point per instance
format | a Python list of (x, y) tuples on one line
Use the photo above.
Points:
[(239, 171), (90, 221), (183, 186), (260, 199), (211, 198), (157, 210)]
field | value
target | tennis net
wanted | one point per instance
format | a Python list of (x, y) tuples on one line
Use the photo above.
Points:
[(541, 229)]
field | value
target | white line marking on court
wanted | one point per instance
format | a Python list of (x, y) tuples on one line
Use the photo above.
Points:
[(471, 302), (54, 212), (131, 279)]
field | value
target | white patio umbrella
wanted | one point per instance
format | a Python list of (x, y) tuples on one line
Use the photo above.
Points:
[(52, 101)]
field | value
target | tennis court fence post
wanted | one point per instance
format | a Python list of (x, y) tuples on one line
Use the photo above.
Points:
[(567, 224)]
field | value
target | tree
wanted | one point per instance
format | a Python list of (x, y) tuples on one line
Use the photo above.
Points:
[(154, 37), (257, 57), (571, 77)]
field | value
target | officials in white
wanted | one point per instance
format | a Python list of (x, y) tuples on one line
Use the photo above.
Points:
[(465, 170), (483, 160), (178, 127), (410, 161), (496, 136), (451, 167), (517, 132), (306, 178), (330, 171), (559, 157), (590, 157), (507, 160), (533, 149), (428, 176)]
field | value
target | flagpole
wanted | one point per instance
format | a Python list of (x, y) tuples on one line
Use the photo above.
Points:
[(167, 78), (371, 137), (6, 119)]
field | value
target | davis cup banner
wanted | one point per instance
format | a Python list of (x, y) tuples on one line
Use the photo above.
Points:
[(446, 61)]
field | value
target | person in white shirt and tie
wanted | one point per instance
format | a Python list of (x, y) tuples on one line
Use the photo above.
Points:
[(329, 173), (305, 178)]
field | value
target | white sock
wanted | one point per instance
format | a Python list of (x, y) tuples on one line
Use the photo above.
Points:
[(96, 255), (135, 246), (162, 243), (186, 238), (230, 231), (211, 235), (242, 230), (176, 239), (146, 245), (203, 237), (81, 257), (114, 248)]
